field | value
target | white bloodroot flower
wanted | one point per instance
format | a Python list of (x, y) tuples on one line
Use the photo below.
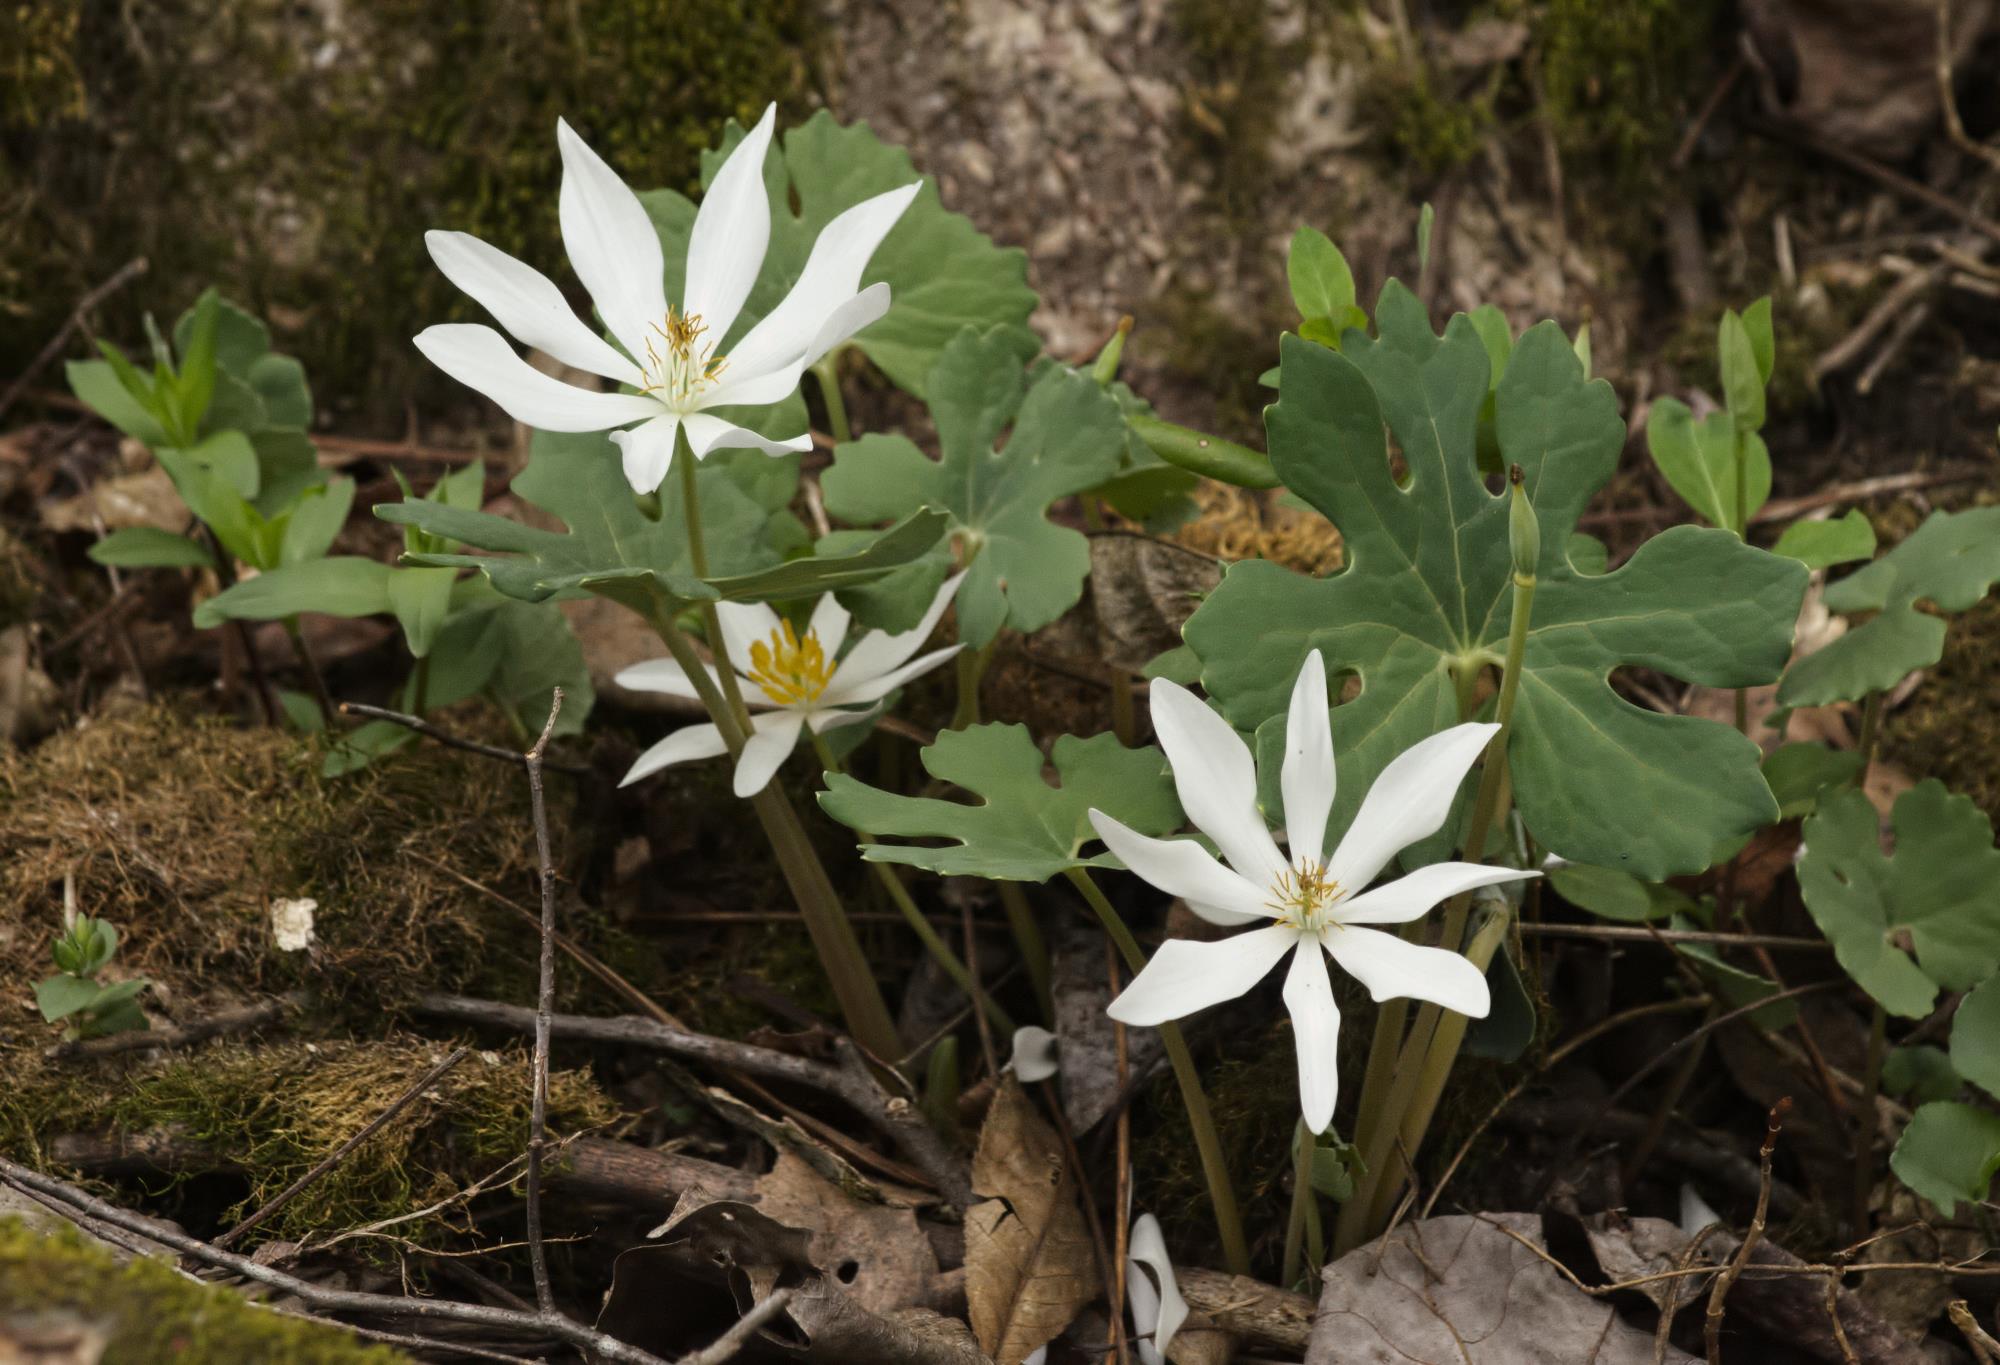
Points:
[(1036, 1056), (790, 682), (1158, 1310), (672, 355), (1310, 900)]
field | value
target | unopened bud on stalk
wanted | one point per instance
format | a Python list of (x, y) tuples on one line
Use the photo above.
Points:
[(1524, 532), (1105, 368)]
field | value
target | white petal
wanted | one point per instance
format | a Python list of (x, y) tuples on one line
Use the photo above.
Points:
[(853, 694), (731, 231), (1034, 1056), (527, 303), (823, 719), (832, 275), (1217, 781), (480, 358), (1405, 898), (1162, 1310), (758, 388), (611, 243), (1391, 968), (1185, 976), (745, 624), (829, 625), (777, 735), (1181, 867), (663, 676), (1408, 802), (647, 451), (682, 746), (706, 433), (1315, 1033), (878, 651), (1307, 779)]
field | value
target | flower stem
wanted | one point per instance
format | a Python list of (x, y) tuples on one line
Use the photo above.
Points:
[(1426, 1057), (971, 665), (919, 925), (1228, 1222), (827, 374), (854, 985), (1303, 1142)]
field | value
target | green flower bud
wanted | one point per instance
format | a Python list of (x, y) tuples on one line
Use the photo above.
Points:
[(1524, 532)]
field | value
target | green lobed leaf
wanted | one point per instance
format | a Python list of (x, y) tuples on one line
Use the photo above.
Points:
[(419, 599), (1939, 894), (61, 996), (901, 545), (1800, 774), (1949, 1152), (1949, 562), (1615, 895), (1975, 1036), (1822, 544), (1067, 436), (609, 547), (943, 273), (1920, 1074), (344, 585), (1020, 828), (150, 547), (1427, 589)]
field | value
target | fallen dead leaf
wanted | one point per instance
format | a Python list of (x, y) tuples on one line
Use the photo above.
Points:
[(1470, 1289), (1029, 1268), (143, 499), (879, 1253)]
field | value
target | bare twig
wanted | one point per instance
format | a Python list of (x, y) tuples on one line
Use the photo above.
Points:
[(851, 1082), (1954, 126), (185, 1035), (726, 1346), (1720, 1291), (344, 450), (1685, 151), (545, 1005), (1618, 933), (1876, 171), (321, 1296), (444, 736), (338, 1154), (119, 278), (1902, 301), (1978, 1338)]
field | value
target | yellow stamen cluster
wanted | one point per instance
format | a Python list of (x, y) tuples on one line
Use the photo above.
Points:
[(1303, 896), (788, 669), (678, 366)]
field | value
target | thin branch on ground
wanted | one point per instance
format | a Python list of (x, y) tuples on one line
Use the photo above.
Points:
[(727, 1345), (323, 1297), (1620, 933), (545, 1005), (444, 736), (118, 279), (339, 1154), (1727, 1279), (1876, 171)]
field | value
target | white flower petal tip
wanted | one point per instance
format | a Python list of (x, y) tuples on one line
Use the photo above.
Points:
[(1035, 1057), (1158, 1308), (1185, 977)]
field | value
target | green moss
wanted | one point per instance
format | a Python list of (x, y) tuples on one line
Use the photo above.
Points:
[(38, 75), (148, 1311), (1950, 727), (1619, 78), (295, 157), (1427, 128), (1233, 63), (273, 1112)]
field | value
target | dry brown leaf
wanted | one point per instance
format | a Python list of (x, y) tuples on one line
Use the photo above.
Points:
[(1028, 1263), (1142, 591), (1471, 1289), (878, 1253), (143, 499)]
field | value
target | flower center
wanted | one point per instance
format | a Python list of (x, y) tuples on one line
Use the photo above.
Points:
[(788, 669), (679, 365), (1303, 897)]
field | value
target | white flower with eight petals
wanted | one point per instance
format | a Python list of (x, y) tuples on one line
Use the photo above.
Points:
[(790, 681), (1311, 901), (672, 356)]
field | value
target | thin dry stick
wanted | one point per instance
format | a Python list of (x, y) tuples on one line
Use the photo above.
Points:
[(727, 1345), (321, 1296), (1875, 170), (1619, 933), (1723, 1282), (121, 277), (1978, 1338), (545, 1006), (1954, 126), (194, 1031), (1840, 1340), (339, 1154), (443, 736)]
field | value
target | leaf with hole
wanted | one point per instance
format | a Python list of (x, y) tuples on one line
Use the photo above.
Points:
[(1426, 596), (1948, 1153)]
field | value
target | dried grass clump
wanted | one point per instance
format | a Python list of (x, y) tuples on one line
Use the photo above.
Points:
[(1241, 523), (272, 1112), (182, 829)]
